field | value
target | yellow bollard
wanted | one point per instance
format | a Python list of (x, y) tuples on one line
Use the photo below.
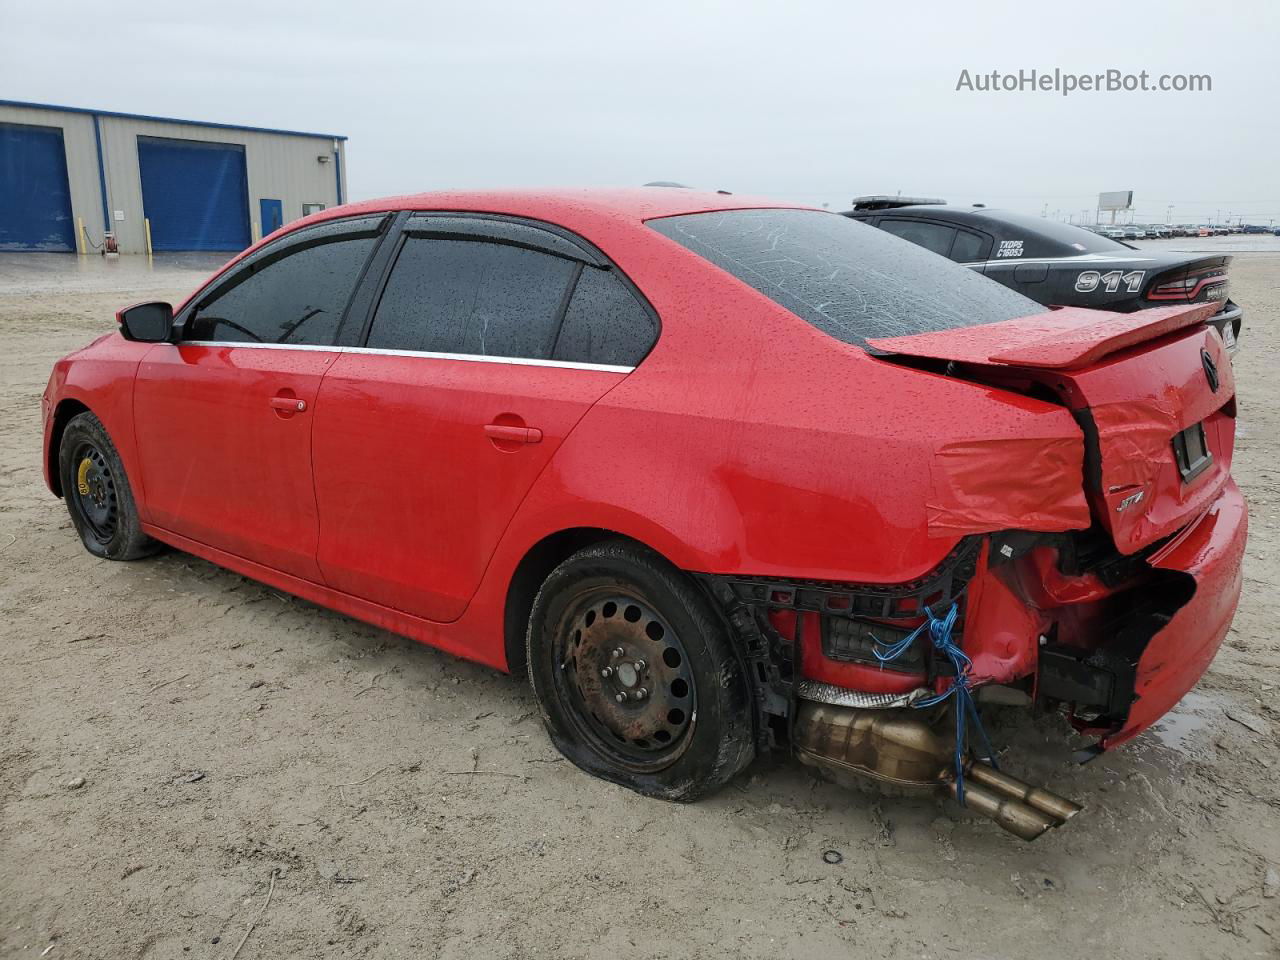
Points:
[(146, 222), (82, 244)]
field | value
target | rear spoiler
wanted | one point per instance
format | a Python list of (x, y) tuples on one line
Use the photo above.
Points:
[(1062, 339)]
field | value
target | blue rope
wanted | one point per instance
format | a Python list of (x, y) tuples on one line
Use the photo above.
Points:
[(966, 710)]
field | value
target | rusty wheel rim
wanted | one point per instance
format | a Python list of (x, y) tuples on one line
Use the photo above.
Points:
[(626, 678)]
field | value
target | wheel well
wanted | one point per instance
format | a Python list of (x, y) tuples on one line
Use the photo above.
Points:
[(543, 557), (61, 416)]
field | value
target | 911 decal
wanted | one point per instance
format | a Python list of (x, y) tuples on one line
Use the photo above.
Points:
[(1088, 281), (1009, 248)]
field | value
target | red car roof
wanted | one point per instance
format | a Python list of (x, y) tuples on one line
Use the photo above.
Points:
[(565, 206)]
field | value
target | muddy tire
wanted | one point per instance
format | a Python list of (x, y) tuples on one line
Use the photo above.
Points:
[(97, 492), (637, 681)]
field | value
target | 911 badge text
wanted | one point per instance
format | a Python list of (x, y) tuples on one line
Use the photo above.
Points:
[(1090, 280)]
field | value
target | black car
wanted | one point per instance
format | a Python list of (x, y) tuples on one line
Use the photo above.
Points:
[(1054, 263)]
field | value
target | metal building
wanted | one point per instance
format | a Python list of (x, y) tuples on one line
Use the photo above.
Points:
[(68, 175)]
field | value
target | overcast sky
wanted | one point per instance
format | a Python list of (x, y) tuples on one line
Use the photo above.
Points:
[(814, 102)]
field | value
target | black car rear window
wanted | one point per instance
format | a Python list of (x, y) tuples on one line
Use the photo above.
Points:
[(849, 280)]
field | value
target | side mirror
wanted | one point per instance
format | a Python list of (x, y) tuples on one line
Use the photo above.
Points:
[(146, 322)]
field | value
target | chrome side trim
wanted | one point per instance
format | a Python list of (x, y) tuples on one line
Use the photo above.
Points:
[(477, 358), (258, 346), (376, 351)]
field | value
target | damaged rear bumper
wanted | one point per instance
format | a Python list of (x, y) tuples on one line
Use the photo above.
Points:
[(1211, 552), (1138, 632)]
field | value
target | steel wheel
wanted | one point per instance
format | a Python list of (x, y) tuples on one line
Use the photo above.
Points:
[(637, 680), (93, 483), (627, 679), (94, 496)]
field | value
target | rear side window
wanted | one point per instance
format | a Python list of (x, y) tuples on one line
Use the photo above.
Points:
[(299, 298), (931, 236), (605, 323), (969, 247), (472, 297), (850, 280)]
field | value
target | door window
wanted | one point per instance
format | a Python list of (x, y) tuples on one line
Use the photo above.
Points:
[(472, 297), (605, 323), (298, 298)]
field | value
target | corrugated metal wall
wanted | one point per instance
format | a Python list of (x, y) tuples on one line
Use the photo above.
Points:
[(279, 166)]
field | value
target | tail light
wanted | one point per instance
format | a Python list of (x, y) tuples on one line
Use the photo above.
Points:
[(1211, 283)]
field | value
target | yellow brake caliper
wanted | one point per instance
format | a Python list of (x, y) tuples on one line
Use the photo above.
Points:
[(82, 476)]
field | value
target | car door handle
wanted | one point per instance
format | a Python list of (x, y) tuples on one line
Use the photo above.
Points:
[(500, 431), (288, 404)]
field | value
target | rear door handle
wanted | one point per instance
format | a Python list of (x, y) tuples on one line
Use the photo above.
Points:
[(500, 431), (289, 404)]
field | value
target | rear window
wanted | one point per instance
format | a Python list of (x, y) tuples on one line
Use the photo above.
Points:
[(1055, 238), (849, 280)]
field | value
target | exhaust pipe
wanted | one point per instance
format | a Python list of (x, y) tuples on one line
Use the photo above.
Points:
[(1011, 814), (1059, 809), (915, 749)]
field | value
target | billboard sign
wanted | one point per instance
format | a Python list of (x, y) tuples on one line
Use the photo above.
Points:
[(1116, 200)]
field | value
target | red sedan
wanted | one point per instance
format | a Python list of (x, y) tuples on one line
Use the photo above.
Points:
[(720, 473)]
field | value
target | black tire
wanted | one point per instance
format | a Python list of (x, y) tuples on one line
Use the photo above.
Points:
[(97, 492), (617, 619)]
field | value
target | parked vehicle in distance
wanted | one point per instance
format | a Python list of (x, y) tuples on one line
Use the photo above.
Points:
[(607, 438), (1058, 264), (1255, 228)]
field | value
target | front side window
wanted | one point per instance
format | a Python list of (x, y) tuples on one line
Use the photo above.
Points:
[(299, 298), (472, 297), (852, 281), (605, 323)]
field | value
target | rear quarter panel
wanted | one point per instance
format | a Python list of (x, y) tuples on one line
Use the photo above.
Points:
[(751, 442)]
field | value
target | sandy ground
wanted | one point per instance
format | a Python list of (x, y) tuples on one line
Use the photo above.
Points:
[(412, 806)]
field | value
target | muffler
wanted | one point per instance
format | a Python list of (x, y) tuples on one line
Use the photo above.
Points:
[(912, 748)]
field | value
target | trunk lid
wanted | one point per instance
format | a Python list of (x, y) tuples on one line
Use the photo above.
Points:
[(1153, 392)]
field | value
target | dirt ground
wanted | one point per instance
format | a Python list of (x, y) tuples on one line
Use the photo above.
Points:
[(171, 734)]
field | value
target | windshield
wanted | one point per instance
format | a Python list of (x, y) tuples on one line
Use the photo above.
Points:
[(849, 280)]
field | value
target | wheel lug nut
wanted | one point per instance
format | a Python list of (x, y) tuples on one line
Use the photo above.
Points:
[(640, 665), (641, 693), (621, 697), (619, 652), (607, 672)]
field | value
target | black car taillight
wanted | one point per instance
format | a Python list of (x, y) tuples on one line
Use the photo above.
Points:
[(1190, 286)]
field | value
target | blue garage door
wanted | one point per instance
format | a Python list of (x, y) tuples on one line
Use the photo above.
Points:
[(35, 202), (194, 194)]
